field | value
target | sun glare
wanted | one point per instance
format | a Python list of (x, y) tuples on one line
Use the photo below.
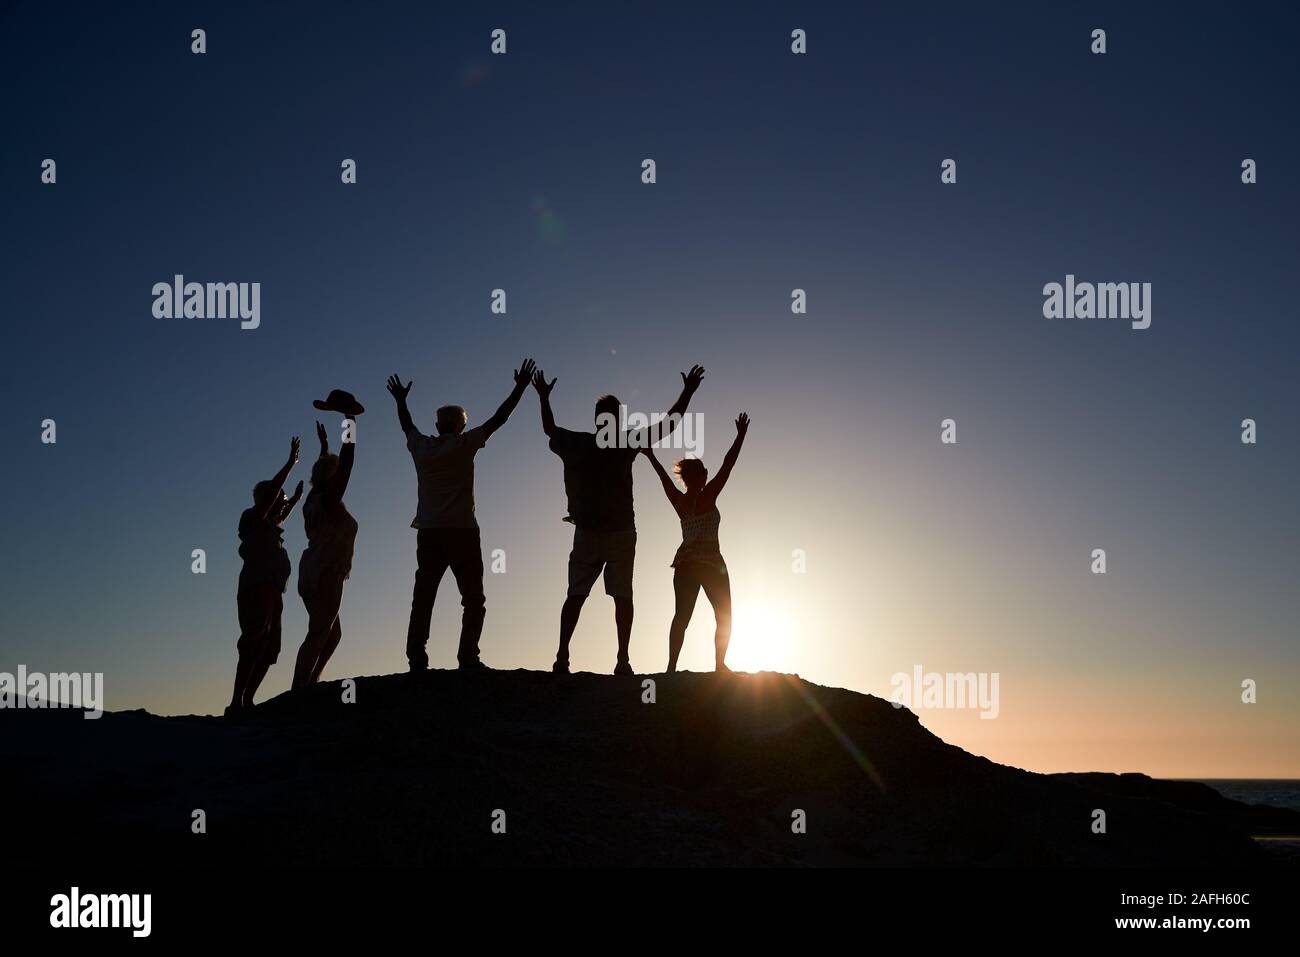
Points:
[(762, 639)]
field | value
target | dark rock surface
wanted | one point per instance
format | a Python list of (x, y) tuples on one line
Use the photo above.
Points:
[(587, 774)]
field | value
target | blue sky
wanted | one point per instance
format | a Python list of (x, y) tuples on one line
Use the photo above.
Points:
[(775, 171)]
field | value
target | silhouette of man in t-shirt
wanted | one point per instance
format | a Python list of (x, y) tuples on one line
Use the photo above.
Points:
[(598, 485), (448, 533)]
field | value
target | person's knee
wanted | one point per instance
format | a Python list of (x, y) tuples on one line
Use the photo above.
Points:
[(579, 589)]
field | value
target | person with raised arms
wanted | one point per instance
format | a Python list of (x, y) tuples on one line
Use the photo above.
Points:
[(698, 562), (331, 530), (598, 486), (262, 581), (447, 533)]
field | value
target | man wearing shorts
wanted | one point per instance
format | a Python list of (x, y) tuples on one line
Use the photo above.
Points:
[(598, 485)]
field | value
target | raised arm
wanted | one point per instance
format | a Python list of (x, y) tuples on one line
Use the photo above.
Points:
[(660, 430), (287, 508), (674, 494), (279, 478), (399, 393), (544, 394), (522, 376), (339, 482), (714, 487)]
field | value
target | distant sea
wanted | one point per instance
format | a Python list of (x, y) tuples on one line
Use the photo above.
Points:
[(1280, 793)]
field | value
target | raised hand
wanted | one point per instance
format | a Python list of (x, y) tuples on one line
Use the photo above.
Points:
[(397, 390), (742, 424), (297, 493), (541, 385), (323, 437), (524, 374), (691, 380), (295, 444)]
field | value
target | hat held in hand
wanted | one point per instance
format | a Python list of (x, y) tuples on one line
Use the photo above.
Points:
[(340, 401)]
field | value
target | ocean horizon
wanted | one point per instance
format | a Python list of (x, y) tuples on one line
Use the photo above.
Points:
[(1277, 792)]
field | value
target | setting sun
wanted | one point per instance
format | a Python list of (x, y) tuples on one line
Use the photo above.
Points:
[(762, 639)]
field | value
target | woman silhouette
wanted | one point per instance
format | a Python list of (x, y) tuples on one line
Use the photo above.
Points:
[(698, 561), (262, 581), (327, 560)]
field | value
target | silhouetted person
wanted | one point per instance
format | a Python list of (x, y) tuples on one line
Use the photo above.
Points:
[(331, 536), (262, 581), (598, 485), (698, 561), (448, 534)]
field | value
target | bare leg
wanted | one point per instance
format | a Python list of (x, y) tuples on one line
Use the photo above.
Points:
[(255, 608), (241, 682), (717, 586), (306, 658), (322, 616), (721, 639), (256, 674), (568, 621), (676, 638), (623, 621), (267, 653), (331, 642), (686, 589)]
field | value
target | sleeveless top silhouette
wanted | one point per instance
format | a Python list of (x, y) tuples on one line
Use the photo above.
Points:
[(331, 536), (700, 540)]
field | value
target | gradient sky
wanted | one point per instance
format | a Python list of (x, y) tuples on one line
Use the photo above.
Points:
[(775, 172)]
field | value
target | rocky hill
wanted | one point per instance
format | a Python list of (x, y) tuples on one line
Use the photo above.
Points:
[(586, 773)]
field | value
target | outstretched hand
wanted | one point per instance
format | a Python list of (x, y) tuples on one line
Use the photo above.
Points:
[(691, 380), (397, 390), (524, 374), (294, 445), (742, 424), (297, 493), (541, 385), (323, 437)]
